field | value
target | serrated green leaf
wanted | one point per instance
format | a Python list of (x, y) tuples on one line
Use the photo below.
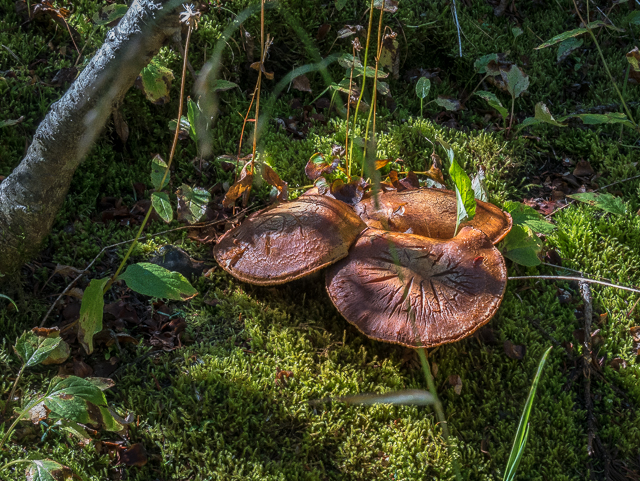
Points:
[(523, 215), (422, 87), (606, 202), (109, 13), (522, 247), (544, 115), (156, 82), (158, 168), (78, 400), (162, 205), (47, 470), (91, 311), (192, 203), (493, 102), (32, 349), (155, 281), (568, 46)]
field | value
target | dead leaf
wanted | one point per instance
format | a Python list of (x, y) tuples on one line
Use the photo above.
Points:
[(136, 455), (38, 413), (389, 6), (618, 363), (350, 193), (301, 82), (456, 382), (260, 66), (66, 271), (239, 188), (122, 129), (318, 166), (389, 58), (411, 182), (323, 30), (514, 351), (633, 57), (349, 30), (81, 368), (583, 169), (635, 333), (380, 163), (270, 176)]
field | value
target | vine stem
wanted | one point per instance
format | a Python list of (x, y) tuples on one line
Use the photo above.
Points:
[(166, 171), (13, 388), (577, 279)]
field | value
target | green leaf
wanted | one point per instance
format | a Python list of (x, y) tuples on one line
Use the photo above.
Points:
[(79, 400), (91, 311), (568, 46), (522, 247), (109, 13), (523, 426), (633, 18), (449, 103), (383, 88), (155, 281), (184, 124), (516, 31), (192, 113), (162, 205), (347, 61), (544, 115), (606, 202), (493, 102), (422, 87), (156, 82), (9, 123), (75, 429), (32, 349), (562, 37), (523, 215), (481, 64), (479, 187), (2, 296), (517, 81), (371, 72), (610, 118), (192, 203), (221, 85), (47, 470), (465, 200), (340, 4), (158, 168)]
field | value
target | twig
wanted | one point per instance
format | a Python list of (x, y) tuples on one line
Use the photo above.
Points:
[(455, 17), (619, 182), (577, 279), (585, 291)]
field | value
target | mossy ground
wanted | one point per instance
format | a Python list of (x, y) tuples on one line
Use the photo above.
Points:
[(219, 412)]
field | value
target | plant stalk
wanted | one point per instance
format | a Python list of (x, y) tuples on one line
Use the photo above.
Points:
[(13, 388), (20, 416)]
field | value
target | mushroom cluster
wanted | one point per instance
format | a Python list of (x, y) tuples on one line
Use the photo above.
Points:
[(395, 269)]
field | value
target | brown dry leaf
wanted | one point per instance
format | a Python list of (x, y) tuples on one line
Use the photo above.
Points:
[(136, 455), (380, 163), (260, 66), (633, 57), (456, 382), (350, 193), (323, 30), (434, 369), (318, 166), (122, 129), (389, 58), (618, 363), (75, 292), (240, 187), (583, 169), (514, 351), (66, 271), (270, 176), (301, 82), (81, 368), (38, 413), (411, 181), (635, 333)]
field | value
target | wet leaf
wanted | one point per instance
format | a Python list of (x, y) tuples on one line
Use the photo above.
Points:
[(156, 82), (240, 187), (516, 31), (606, 202), (109, 14), (390, 6), (563, 36), (162, 205), (272, 178), (318, 165), (493, 102), (301, 83), (449, 103), (48, 470), (59, 355), (583, 169), (422, 87), (158, 168), (323, 30), (192, 203), (389, 58), (523, 215), (32, 350), (155, 281), (522, 247), (91, 312), (567, 47), (514, 351), (516, 80)]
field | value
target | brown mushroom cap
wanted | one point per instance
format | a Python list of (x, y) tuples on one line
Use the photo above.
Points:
[(430, 213), (453, 286), (289, 241)]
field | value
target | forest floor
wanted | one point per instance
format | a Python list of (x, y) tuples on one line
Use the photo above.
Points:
[(219, 386)]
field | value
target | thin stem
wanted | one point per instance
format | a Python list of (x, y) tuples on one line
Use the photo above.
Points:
[(258, 85), (513, 101), (13, 388), (364, 77), (166, 171), (346, 142), (577, 279), (17, 461), (20, 416), (372, 111)]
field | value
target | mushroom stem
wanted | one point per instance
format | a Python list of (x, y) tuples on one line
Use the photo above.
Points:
[(578, 279)]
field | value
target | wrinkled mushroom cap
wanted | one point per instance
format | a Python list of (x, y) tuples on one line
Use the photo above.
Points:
[(289, 241), (430, 213), (417, 291)]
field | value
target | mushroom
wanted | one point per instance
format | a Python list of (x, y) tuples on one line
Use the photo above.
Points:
[(289, 241), (418, 291), (429, 212)]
